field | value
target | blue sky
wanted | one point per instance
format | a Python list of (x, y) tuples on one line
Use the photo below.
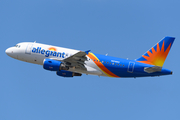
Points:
[(125, 29)]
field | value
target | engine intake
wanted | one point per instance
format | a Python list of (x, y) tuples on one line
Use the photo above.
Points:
[(54, 65)]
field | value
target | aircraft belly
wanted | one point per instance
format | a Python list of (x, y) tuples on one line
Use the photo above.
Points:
[(89, 70), (31, 58)]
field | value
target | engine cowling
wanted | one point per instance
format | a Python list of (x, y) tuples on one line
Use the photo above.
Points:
[(54, 65), (64, 73)]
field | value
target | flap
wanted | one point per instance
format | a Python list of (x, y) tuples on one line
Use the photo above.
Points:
[(76, 60)]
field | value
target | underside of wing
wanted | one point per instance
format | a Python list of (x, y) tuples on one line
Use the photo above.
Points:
[(77, 60)]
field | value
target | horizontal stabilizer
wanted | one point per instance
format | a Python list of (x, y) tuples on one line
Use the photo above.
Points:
[(153, 69)]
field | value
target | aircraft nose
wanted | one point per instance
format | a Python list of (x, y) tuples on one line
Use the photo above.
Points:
[(9, 51)]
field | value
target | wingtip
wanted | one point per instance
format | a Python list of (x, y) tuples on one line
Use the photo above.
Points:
[(87, 51)]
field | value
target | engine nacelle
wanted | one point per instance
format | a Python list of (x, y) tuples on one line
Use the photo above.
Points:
[(54, 65), (64, 73)]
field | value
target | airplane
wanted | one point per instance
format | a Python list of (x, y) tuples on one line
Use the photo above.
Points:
[(69, 62)]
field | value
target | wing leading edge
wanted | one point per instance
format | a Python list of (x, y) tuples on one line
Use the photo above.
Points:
[(77, 60)]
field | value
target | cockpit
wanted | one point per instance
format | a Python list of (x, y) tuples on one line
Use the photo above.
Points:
[(18, 46)]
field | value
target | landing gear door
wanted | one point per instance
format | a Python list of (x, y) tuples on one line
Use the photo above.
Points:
[(29, 49), (131, 67)]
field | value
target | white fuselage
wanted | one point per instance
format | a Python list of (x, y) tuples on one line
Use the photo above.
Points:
[(36, 53)]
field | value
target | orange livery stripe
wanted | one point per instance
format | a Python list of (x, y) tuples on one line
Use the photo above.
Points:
[(101, 66)]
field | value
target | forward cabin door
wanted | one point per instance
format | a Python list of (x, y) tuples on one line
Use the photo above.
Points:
[(131, 67), (29, 49)]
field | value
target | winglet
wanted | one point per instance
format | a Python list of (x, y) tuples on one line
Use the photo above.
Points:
[(87, 51)]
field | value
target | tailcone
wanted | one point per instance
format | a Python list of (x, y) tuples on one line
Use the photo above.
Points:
[(166, 72)]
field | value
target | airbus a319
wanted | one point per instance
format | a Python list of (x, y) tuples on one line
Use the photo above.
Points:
[(69, 62)]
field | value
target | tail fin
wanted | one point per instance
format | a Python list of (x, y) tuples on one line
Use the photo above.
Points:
[(157, 54)]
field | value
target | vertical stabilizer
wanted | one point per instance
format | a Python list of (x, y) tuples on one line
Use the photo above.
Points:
[(157, 54)]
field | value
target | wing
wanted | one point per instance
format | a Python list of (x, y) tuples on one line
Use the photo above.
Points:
[(77, 60)]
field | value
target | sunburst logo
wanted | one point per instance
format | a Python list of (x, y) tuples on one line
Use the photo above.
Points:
[(52, 49), (158, 56)]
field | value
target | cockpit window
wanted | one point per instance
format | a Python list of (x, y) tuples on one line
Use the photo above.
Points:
[(18, 46)]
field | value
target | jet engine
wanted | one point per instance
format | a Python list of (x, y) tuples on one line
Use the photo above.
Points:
[(54, 65), (64, 73)]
